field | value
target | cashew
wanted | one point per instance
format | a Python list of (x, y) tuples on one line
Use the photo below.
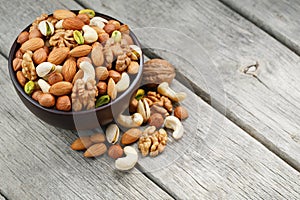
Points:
[(90, 35), (123, 83), (128, 162), (58, 68), (98, 21), (144, 109), (112, 133), (165, 90), (130, 121), (44, 69), (88, 70), (45, 87), (175, 124)]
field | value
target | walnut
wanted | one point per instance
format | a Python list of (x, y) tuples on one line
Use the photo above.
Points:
[(37, 21), (157, 71), (154, 98), (153, 143), (28, 68), (120, 51), (83, 94), (63, 38)]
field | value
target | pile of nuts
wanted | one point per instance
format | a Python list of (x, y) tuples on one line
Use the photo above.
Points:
[(153, 112), (76, 62)]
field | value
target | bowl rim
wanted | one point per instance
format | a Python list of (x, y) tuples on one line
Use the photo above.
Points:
[(20, 89)]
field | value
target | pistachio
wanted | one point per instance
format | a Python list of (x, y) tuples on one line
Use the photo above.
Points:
[(89, 12), (46, 28), (144, 109), (139, 94), (98, 21), (111, 89), (45, 68), (105, 99), (90, 35), (112, 133), (29, 87), (117, 36), (123, 83), (136, 51), (78, 37), (45, 87)]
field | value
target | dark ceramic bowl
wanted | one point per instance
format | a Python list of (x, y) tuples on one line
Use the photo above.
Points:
[(83, 119)]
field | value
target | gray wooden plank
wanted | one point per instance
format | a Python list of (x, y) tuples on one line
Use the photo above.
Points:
[(37, 162), (279, 18), (266, 106)]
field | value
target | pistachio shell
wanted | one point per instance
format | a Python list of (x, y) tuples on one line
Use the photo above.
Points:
[(112, 133), (44, 69), (46, 28), (136, 50)]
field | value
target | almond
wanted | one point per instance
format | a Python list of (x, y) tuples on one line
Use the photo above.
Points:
[(39, 56), (73, 23), (131, 136), (55, 78), (35, 33), (97, 54), (61, 88), (63, 14), (98, 138), (69, 69), (81, 143), (17, 64), (85, 18), (115, 151), (58, 55), (80, 51), (32, 44), (79, 60), (95, 150), (23, 37)]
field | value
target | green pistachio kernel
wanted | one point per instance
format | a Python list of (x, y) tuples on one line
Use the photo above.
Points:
[(105, 99), (48, 29), (139, 94), (29, 87), (89, 12), (117, 36), (78, 37)]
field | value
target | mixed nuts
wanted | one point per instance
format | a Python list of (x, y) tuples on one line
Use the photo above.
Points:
[(152, 114), (75, 61)]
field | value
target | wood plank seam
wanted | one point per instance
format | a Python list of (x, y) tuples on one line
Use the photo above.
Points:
[(230, 115), (266, 28)]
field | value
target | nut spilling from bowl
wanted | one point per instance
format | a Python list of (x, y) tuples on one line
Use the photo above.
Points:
[(75, 61)]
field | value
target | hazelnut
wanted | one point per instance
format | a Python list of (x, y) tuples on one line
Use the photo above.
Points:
[(17, 64), (127, 38), (156, 120), (79, 60), (39, 56), (109, 28), (102, 87), (55, 77), (46, 100), (19, 54), (116, 23), (115, 151), (35, 33), (103, 37), (63, 103), (21, 78), (85, 18), (181, 113), (36, 95), (23, 37), (116, 76), (133, 105), (124, 29)]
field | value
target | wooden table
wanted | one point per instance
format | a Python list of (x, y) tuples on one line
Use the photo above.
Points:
[(246, 144)]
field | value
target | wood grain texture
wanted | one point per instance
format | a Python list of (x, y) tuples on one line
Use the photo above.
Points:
[(266, 106), (37, 162), (280, 19)]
